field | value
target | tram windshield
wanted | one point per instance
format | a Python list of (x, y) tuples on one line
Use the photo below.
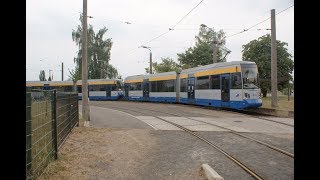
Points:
[(250, 77)]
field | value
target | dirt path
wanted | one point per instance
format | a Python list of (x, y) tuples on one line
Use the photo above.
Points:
[(102, 153), (105, 153)]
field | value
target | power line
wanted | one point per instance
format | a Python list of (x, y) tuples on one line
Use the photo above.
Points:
[(244, 30), (175, 24), (187, 14), (285, 9), (258, 23), (237, 33), (157, 37), (198, 29)]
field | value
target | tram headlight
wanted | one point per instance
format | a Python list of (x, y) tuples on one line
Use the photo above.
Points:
[(247, 96)]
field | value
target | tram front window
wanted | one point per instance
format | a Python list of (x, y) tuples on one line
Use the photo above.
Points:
[(250, 77)]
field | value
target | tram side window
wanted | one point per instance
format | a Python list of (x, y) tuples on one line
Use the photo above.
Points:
[(215, 81), (114, 87), (160, 86), (183, 85), (68, 88), (203, 82), (170, 85), (59, 88), (94, 87), (153, 86), (132, 86), (102, 88), (236, 81), (28, 89), (163, 86), (79, 88), (135, 86)]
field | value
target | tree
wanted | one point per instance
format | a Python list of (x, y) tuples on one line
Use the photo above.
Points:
[(259, 51), (42, 76), (49, 79), (166, 65), (111, 72), (98, 54), (75, 74), (201, 53)]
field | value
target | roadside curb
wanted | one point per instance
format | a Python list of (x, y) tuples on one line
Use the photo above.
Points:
[(210, 173)]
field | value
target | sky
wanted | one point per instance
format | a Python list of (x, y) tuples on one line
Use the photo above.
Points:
[(49, 26)]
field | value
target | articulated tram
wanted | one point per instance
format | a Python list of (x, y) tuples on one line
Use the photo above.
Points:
[(229, 84)]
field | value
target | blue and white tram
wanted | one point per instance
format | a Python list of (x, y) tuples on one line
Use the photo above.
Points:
[(229, 84)]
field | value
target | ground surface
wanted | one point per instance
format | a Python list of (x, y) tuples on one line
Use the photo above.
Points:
[(127, 140)]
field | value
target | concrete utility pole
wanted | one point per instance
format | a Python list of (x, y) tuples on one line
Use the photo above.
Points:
[(62, 71), (215, 52), (85, 101), (150, 62), (274, 81)]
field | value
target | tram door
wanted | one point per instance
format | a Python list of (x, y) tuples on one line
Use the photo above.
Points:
[(191, 88), (108, 90), (145, 88), (225, 90), (126, 90)]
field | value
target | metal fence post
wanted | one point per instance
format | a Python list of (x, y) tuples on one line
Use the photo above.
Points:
[(73, 107), (69, 113), (77, 110), (54, 124), (28, 136)]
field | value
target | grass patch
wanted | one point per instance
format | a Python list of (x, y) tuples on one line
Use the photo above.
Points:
[(283, 103)]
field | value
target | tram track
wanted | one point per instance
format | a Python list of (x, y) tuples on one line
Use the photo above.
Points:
[(193, 133), (234, 111), (245, 113), (239, 163), (228, 129)]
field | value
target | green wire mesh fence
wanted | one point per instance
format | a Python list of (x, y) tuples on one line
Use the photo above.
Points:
[(50, 117)]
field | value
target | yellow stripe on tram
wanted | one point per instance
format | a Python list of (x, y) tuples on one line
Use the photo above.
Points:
[(217, 71), (35, 84), (183, 76), (133, 80), (101, 82), (163, 78)]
